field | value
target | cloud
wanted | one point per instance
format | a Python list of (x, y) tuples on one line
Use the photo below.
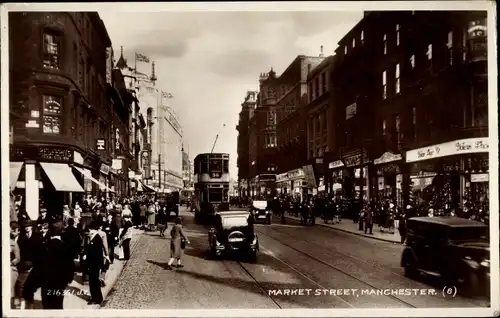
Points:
[(237, 63)]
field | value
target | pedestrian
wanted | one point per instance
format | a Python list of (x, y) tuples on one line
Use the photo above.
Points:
[(77, 212), (72, 238), (362, 213), (30, 245), (126, 214), (94, 257), (111, 229), (177, 243), (15, 258), (151, 216), (66, 215), (56, 269), (402, 227), (143, 211), (369, 220), (106, 262), (162, 220), (124, 241)]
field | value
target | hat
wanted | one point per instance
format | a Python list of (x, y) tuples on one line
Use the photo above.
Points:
[(27, 223), (57, 228), (408, 206)]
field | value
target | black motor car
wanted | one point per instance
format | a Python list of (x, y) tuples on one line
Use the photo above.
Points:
[(455, 249), (261, 211), (233, 232)]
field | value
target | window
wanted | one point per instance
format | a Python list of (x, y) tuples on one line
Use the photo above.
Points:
[(398, 27), (323, 76), (271, 118), (385, 44), (362, 37), (398, 84), (384, 85), (270, 140), (345, 50), (429, 52), (412, 61), (353, 42), (449, 45), (51, 50), (384, 127), (52, 114)]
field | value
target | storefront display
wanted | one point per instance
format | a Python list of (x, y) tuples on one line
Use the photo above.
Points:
[(389, 178)]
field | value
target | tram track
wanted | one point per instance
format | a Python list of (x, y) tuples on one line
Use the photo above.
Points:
[(336, 268)]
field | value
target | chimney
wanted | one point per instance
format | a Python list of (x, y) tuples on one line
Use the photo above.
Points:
[(153, 76), (321, 52)]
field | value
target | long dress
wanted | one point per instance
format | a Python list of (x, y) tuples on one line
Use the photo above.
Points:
[(151, 215), (177, 235)]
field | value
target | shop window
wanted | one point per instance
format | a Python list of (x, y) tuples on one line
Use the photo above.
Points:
[(52, 114), (51, 50)]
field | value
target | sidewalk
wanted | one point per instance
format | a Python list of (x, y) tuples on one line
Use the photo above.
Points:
[(77, 293), (348, 226)]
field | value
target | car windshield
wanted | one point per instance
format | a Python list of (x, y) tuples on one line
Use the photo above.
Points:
[(260, 204), (469, 234), (234, 221)]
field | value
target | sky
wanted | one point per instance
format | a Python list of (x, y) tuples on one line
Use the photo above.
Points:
[(209, 60)]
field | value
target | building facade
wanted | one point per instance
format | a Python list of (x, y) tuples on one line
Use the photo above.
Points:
[(410, 109), (187, 176), (243, 162), (60, 106)]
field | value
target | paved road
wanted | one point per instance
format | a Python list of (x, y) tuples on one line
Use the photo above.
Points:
[(292, 258)]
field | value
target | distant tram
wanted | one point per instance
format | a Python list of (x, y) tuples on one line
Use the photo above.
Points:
[(211, 188)]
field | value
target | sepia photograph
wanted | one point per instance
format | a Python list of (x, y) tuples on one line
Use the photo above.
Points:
[(250, 159)]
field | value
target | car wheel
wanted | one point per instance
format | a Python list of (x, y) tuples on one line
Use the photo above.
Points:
[(471, 284)]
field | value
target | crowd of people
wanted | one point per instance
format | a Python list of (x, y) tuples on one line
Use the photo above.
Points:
[(46, 252)]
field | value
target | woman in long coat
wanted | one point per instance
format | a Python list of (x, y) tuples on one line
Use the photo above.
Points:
[(151, 216), (176, 248)]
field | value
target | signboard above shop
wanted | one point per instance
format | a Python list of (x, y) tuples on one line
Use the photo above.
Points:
[(335, 164), (457, 147), (387, 157)]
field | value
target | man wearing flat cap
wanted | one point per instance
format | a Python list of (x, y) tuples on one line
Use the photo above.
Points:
[(30, 245), (56, 269)]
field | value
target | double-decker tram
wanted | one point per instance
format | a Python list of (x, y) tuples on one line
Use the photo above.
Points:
[(211, 188)]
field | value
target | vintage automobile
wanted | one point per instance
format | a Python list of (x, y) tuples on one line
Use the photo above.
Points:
[(170, 199), (455, 249), (261, 211), (233, 233)]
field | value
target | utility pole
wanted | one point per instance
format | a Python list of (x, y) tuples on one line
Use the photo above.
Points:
[(159, 171)]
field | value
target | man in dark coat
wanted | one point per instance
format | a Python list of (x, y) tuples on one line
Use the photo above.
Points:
[(94, 258), (72, 237), (111, 229), (30, 246), (56, 269)]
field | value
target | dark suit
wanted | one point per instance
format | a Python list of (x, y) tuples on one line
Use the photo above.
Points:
[(95, 260), (111, 229), (72, 237), (56, 272), (30, 251)]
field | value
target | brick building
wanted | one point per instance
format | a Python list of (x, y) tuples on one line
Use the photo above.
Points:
[(243, 162), (410, 97), (60, 106)]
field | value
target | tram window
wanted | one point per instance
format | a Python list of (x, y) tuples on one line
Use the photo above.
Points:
[(215, 165), (215, 195), (226, 166), (204, 165)]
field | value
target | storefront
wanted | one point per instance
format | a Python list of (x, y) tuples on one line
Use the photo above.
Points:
[(356, 176), (451, 174), (336, 171), (43, 177), (266, 185), (297, 179), (283, 186), (389, 178)]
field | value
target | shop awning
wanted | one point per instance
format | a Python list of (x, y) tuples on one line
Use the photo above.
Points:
[(147, 188), (61, 177), (87, 175), (15, 170)]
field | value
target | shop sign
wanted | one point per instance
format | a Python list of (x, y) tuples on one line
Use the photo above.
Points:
[(335, 164), (104, 169), (479, 177), (100, 144), (281, 177), (458, 147), (350, 111), (318, 161), (297, 173), (387, 157), (389, 169), (116, 164), (356, 160)]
